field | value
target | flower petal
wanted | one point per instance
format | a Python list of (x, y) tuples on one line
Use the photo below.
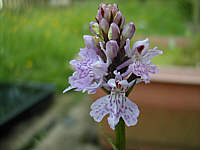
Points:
[(128, 31), (127, 48), (152, 53), (90, 43), (88, 54), (138, 44), (67, 89), (99, 68), (113, 120), (141, 70), (112, 83), (125, 64), (124, 83), (130, 113), (99, 108), (112, 49)]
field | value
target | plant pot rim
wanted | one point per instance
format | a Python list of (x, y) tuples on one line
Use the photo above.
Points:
[(177, 74)]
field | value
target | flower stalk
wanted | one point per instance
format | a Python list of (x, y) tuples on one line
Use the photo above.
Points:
[(120, 135)]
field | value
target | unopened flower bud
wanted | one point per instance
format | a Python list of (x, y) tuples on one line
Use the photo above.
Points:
[(104, 26), (107, 13), (109, 6), (101, 9), (128, 31), (90, 42), (94, 27), (113, 33), (102, 5), (117, 17), (122, 22), (114, 9), (112, 49), (99, 15)]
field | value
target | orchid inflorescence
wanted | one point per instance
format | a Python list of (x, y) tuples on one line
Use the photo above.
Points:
[(108, 62)]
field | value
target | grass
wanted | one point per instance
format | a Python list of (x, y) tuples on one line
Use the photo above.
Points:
[(36, 44)]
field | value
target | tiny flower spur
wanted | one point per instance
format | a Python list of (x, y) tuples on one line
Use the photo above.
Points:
[(108, 62)]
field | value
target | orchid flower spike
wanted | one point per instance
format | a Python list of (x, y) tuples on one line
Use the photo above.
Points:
[(108, 62)]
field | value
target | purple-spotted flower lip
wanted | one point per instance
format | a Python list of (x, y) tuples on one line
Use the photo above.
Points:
[(116, 104)]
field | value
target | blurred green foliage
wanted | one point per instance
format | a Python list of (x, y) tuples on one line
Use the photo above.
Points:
[(186, 8), (36, 44), (193, 53)]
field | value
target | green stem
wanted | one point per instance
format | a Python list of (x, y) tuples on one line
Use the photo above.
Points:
[(120, 135)]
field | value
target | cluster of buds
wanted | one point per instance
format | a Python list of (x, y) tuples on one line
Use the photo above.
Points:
[(109, 24), (111, 32), (108, 62)]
